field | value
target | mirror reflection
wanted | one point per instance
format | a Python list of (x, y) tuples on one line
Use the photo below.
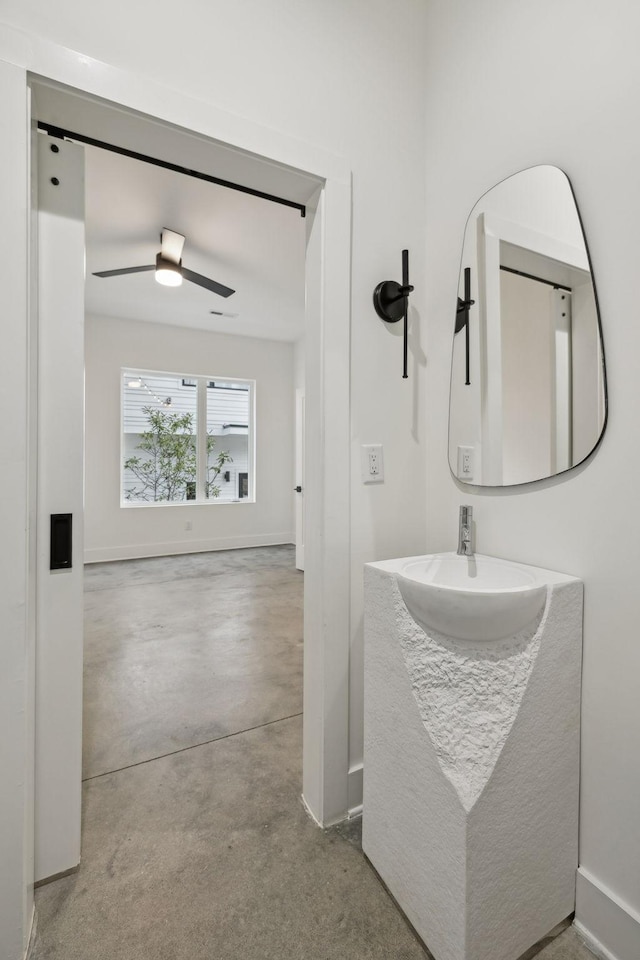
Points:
[(528, 386)]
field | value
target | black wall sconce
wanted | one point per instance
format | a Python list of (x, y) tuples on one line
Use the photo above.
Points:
[(462, 318), (391, 301)]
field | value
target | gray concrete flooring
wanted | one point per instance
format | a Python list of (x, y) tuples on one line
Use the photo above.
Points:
[(183, 650), (195, 842)]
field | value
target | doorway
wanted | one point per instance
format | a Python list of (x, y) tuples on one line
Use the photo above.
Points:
[(191, 391), (326, 636)]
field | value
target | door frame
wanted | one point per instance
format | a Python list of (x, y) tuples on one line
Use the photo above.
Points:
[(299, 477), (327, 581)]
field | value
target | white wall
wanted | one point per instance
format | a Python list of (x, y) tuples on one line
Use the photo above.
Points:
[(566, 75), (115, 532)]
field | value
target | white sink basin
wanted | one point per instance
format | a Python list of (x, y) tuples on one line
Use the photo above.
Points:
[(473, 598)]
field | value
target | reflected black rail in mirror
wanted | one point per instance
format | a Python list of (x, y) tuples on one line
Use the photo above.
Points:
[(462, 318)]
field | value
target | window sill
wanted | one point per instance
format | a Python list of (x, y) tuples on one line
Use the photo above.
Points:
[(214, 502)]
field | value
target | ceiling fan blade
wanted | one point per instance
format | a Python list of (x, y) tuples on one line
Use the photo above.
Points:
[(120, 273), (171, 244), (208, 284)]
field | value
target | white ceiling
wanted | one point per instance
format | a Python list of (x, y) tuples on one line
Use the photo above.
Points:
[(253, 245)]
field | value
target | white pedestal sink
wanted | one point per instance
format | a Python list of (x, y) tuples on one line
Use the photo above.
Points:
[(472, 707), (472, 598)]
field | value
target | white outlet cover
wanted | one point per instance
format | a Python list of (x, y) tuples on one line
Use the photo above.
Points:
[(466, 463), (367, 451)]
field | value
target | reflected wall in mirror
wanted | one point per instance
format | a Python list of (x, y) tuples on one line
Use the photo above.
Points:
[(528, 386)]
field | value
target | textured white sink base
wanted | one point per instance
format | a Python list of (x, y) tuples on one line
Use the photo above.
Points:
[(471, 773)]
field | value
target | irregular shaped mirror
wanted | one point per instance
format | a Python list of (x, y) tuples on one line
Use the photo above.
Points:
[(528, 386)]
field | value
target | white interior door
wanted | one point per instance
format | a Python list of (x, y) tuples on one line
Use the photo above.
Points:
[(299, 488), (59, 224)]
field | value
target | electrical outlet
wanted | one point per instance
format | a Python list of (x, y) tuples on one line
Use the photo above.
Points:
[(188, 525), (465, 463), (372, 464)]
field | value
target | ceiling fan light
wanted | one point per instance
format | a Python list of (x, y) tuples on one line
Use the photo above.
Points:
[(168, 273), (168, 278)]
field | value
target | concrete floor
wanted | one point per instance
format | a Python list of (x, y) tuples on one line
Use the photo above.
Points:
[(195, 842), (183, 650)]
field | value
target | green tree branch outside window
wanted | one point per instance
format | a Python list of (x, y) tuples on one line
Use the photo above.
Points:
[(167, 470)]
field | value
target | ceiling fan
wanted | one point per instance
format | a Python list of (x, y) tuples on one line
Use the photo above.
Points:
[(169, 269)]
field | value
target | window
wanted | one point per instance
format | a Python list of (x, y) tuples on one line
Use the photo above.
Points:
[(186, 438)]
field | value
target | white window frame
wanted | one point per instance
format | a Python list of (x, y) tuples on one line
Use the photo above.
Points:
[(202, 382)]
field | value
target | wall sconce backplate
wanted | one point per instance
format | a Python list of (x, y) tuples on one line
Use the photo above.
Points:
[(389, 301)]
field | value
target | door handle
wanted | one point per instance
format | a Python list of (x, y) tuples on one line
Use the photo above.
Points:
[(298, 489)]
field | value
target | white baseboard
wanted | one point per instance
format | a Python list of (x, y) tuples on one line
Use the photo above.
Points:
[(352, 813), (139, 551), (32, 934), (609, 927), (309, 812)]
